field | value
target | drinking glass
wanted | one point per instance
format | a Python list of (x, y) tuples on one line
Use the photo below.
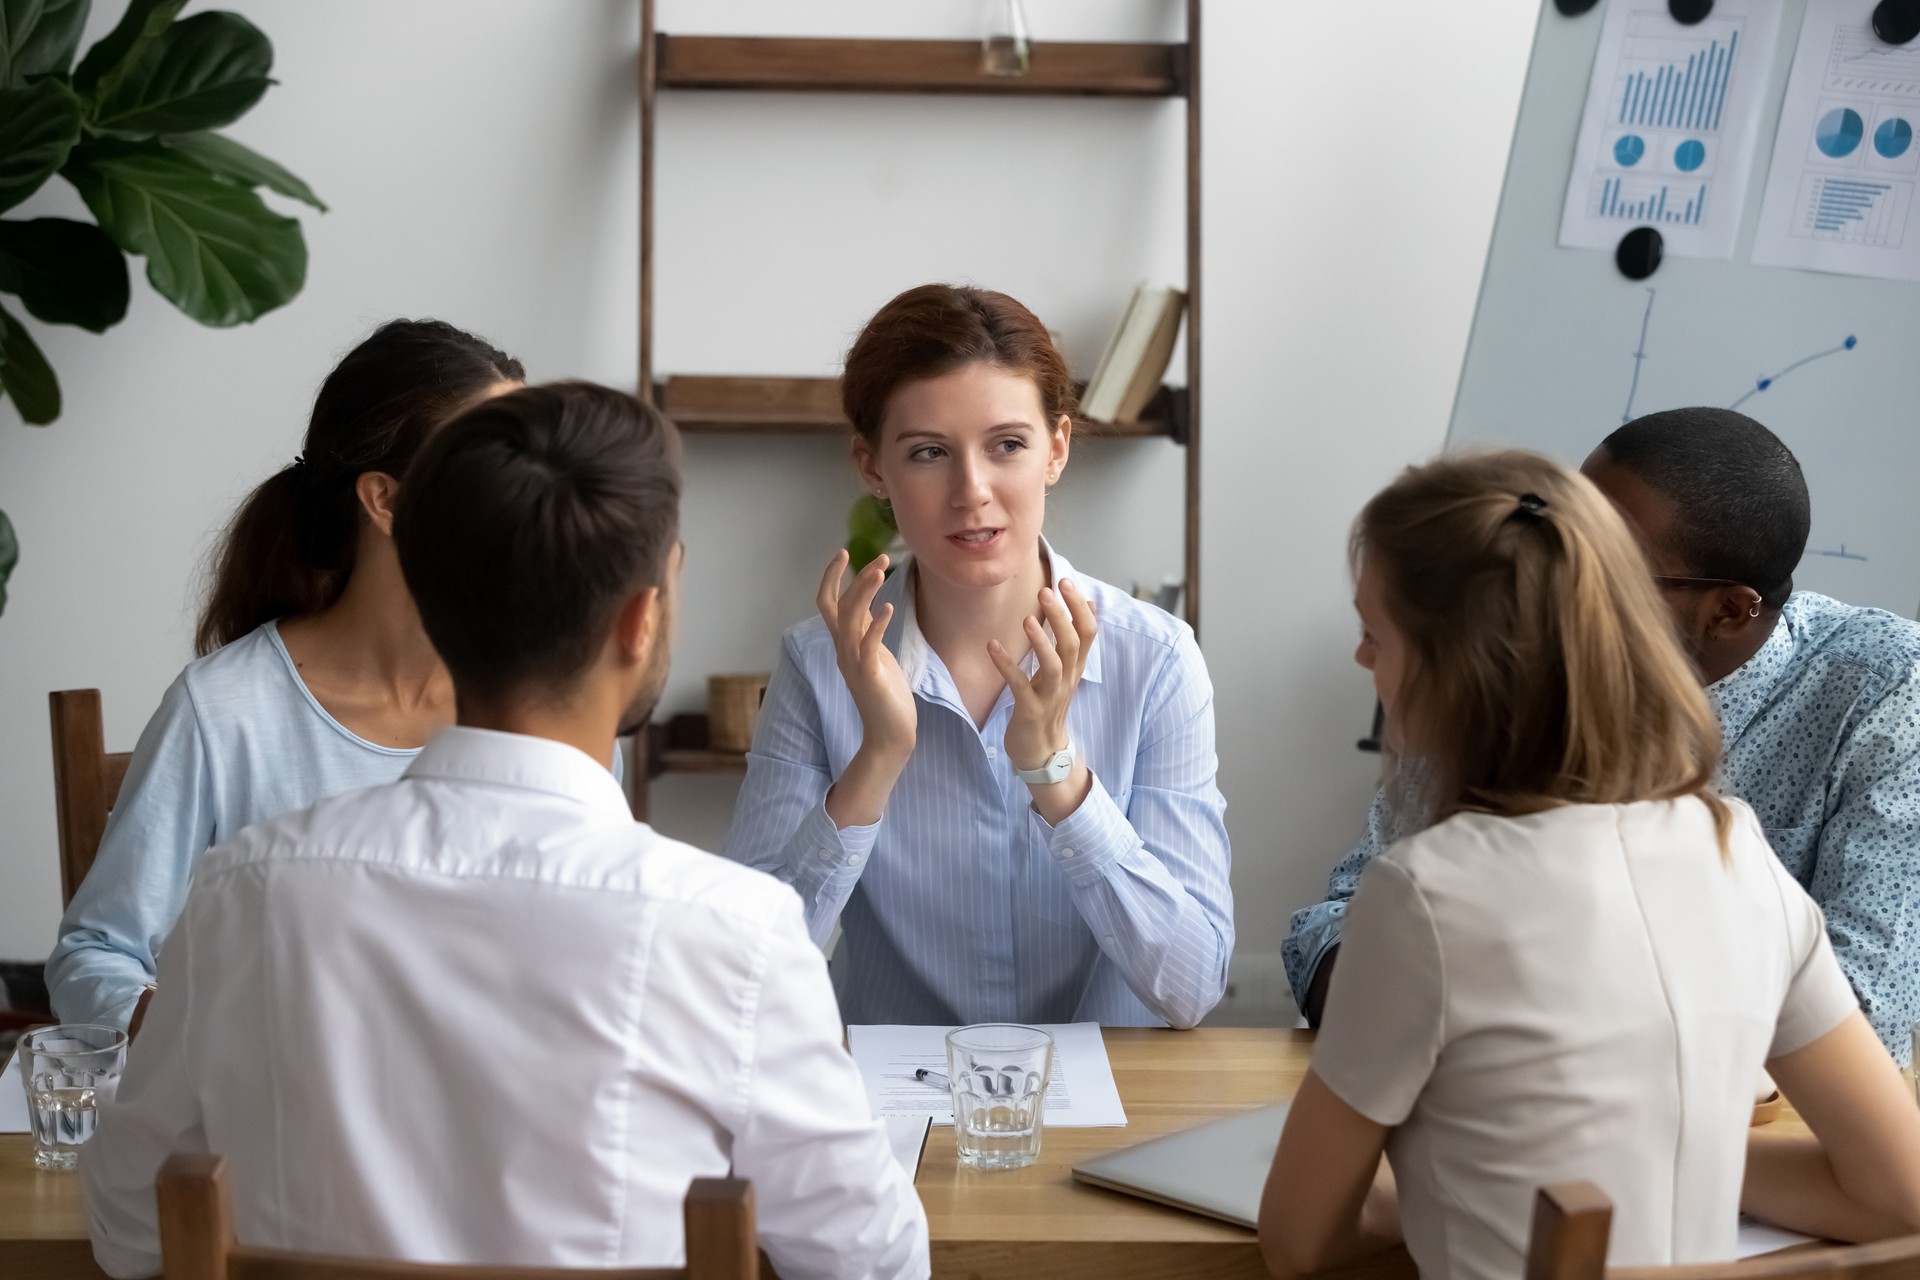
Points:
[(69, 1071), (999, 1074)]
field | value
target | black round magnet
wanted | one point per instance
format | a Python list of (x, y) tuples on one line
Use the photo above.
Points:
[(1574, 8), (1689, 12), (1896, 21), (1639, 253)]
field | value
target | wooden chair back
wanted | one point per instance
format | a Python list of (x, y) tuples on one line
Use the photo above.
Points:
[(197, 1240), (1571, 1223), (86, 782)]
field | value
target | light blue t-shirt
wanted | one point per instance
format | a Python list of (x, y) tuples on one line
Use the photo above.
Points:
[(238, 739)]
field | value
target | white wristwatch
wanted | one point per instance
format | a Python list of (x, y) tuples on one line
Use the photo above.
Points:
[(1054, 770)]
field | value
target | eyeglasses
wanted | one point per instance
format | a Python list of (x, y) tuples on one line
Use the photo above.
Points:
[(1669, 580)]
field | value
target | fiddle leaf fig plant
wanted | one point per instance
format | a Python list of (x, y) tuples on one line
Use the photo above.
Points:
[(132, 128)]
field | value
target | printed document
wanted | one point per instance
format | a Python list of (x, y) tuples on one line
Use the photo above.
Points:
[(1840, 194), (1080, 1092), (13, 1098), (1670, 127)]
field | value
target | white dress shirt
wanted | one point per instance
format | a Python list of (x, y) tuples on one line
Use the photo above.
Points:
[(1601, 1015), (481, 1015), (962, 904)]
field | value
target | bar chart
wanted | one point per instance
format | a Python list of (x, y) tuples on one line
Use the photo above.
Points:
[(1853, 210), (1670, 81), (1644, 201)]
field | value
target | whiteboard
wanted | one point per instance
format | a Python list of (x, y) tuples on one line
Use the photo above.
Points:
[(1557, 358)]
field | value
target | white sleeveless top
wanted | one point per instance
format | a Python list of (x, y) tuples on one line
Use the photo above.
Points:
[(1586, 993)]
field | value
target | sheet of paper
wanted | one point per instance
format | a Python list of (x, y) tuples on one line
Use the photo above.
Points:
[(1671, 125), (13, 1098), (1757, 1237), (1080, 1093), (1840, 194), (907, 1135)]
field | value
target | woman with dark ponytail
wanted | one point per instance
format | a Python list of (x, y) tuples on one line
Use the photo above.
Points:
[(315, 676)]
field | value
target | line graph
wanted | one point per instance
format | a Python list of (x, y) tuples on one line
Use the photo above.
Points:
[(1761, 384), (1766, 383), (1639, 357)]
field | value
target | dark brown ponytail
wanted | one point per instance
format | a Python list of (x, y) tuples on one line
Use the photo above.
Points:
[(291, 546)]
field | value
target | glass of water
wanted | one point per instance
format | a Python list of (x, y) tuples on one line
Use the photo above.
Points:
[(69, 1071), (999, 1073)]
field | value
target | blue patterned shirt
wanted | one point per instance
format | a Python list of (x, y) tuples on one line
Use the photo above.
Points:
[(1822, 738), (962, 904)]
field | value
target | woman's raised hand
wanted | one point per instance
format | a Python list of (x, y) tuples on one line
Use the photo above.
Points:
[(888, 718), (1038, 726)]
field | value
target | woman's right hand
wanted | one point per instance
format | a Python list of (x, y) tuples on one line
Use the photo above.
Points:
[(888, 718)]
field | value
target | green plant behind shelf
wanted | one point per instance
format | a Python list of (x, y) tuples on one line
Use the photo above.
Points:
[(131, 128)]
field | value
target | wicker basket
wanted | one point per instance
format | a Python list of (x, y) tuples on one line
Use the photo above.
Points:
[(733, 704)]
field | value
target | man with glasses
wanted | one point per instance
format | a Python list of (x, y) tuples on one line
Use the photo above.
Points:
[(1819, 701)]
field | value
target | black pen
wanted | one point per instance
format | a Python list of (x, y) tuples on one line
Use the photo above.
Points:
[(934, 1078)]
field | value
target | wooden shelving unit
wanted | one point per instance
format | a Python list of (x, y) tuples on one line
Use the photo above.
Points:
[(702, 405), (810, 406)]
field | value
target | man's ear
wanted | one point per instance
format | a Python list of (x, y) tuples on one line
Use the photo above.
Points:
[(636, 628), (377, 492), (1734, 610)]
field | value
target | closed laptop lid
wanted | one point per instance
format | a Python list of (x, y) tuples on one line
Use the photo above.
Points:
[(1217, 1168)]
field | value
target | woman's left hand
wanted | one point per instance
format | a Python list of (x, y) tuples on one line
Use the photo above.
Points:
[(1038, 728)]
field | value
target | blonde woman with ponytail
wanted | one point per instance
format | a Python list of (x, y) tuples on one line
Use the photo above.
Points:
[(1581, 958)]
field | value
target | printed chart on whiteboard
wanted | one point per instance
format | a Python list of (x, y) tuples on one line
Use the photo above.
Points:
[(1840, 194), (1669, 131)]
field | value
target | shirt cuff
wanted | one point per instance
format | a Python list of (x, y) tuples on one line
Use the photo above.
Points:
[(836, 852), (1091, 838)]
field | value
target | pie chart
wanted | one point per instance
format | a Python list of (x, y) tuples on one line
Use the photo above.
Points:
[(1839, 132), (1893, 137), (1628, 150), (1690, 155)]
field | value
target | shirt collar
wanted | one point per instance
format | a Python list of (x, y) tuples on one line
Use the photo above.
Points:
[(464, 754), (909, 643), (1738, 696)]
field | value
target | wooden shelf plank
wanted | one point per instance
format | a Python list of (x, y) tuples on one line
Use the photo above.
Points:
[(797, 65), (680, 746), (708, 405)]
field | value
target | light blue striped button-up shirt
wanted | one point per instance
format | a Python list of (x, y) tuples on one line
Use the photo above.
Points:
[(961, 904)]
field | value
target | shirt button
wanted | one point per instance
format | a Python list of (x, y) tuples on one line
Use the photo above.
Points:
[(993, 753), (1067, 852), (852, 860)]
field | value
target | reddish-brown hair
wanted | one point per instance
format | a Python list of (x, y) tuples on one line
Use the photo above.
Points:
[(936, 329)]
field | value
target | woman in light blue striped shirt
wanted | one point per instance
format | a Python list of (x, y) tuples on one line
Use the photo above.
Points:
[(995, 777), (315, 676)]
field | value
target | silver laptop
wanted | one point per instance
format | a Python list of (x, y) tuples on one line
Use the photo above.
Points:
[(1217, 1169)]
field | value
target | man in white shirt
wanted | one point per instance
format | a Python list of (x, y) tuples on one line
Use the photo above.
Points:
[(480, 1014)]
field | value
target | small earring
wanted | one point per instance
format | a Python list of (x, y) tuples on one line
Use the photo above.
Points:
[(1755, 611)]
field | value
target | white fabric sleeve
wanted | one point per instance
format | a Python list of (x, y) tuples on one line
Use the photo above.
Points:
[(1386, 1006), (1818, 996), (155, 1113), (830, 1198)]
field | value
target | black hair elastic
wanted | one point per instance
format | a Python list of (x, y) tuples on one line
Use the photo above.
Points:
[(1531, 505)]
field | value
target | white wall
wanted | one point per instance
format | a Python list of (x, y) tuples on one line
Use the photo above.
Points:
[(479, 156)]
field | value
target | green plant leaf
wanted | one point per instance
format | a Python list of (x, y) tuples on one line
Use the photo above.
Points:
[(139, 26), (223, 156), (65, 272), (38, 36), (213, 249), (200, 73), (38, 127), (25, 374), (9, 556)]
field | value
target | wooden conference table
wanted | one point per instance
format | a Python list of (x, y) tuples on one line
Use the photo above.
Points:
[(1034, 1222)]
